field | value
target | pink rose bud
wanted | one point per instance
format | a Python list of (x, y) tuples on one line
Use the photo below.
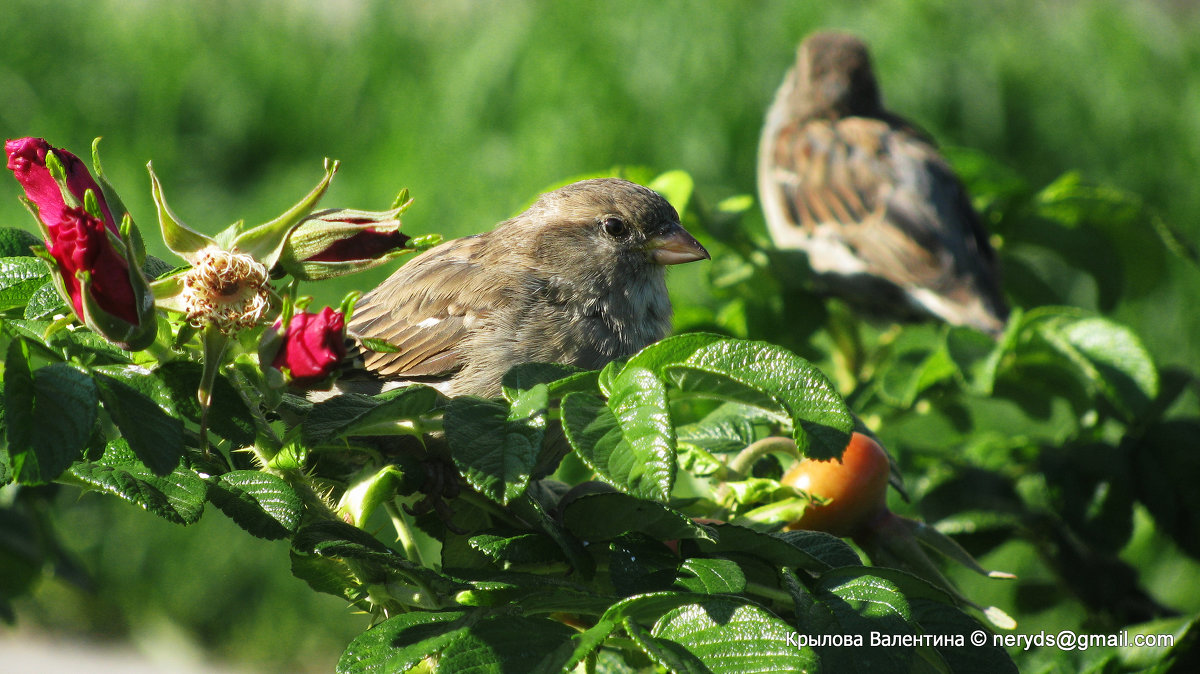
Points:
[(313, 347), (27, 161), (340, 241), (80, 243)]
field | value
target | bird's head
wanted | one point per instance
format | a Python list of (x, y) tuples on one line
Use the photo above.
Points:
[(606, 227), (834, 79)]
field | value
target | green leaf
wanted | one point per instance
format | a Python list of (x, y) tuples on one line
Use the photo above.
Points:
[(45, 302), (17, 242), (1120, 364), (338, 540), (672, 351), (259, 502), (329, 576), (493, 446), (517, 548), (767, 376), (674, 657), (937, 618), (728, 428), (643, 608), (811, 552), (711, 576), (49, 416), (228, 416), (605, 516), (507, 644), (630, 440), (154, 435), (178, 497), (401, 642), (527, 375), (20, 278), (852, 602), (356, 414), (730, 636)]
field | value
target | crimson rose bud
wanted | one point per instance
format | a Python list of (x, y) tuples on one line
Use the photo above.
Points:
[(341, 241), (81, 244), (27, 161), (313, 347)]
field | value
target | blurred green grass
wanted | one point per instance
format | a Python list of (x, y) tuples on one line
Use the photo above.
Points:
[(477, 106)]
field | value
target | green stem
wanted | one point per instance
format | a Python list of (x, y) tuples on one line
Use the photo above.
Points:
[(214, 343), (404, 532), (741, 464)]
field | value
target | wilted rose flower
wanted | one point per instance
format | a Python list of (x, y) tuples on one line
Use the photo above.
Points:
[(340, 241), (226, 289), (80, 243), (27, 161), (312, 347)]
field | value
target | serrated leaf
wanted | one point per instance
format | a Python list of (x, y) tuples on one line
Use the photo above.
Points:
[(329, 576), (767, 376), (261, 503), (153, 435), (401, 642), (825, 547), (638, 609), (178, 497), (337, 540), (519, 548), (638, 563), (711, 576), (628, 440), (493, 446), (49, 416), (855, 601), (729, 428), (813, 553), (730, 636), (605, 516), (1122, 366), (17, 242), (937, 618), (356, 414), (506, 644), (45, 302), (676, 658), (672, 351), (20, 277)]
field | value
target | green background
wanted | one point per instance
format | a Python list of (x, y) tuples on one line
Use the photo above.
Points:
[(475, 107)]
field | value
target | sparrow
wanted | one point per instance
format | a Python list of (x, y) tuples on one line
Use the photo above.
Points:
[(884, 220), (579, 278)]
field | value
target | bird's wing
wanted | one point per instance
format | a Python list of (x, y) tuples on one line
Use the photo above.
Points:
[(426, 309), (884, 191)]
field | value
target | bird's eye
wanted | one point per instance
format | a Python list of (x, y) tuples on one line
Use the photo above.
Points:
[(614, 227)]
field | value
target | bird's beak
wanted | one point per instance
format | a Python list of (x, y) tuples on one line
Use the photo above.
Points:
[(676, 246)]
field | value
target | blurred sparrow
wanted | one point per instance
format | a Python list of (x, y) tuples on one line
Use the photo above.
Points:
[(884, 221), (579, 278)]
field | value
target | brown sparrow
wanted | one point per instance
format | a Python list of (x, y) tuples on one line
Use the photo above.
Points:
[(885, 222), (578, 278)]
